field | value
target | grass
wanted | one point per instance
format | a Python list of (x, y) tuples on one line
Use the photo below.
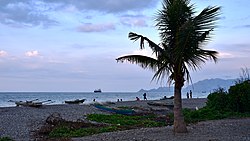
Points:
[(110, 123), (204, 114), (5, 139)]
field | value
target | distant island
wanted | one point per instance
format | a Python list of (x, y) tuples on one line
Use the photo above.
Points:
[(204, 86)]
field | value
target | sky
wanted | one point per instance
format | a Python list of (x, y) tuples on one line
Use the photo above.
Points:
[(71, 45)]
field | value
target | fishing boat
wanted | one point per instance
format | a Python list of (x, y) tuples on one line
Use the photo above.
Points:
[(115, 110), (97, 91), (77, 101), (32, 103), (29, 104)]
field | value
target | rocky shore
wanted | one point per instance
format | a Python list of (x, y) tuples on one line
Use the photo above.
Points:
[(20, 123)]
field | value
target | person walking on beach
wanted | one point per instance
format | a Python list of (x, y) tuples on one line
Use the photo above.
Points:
[(145, 96), (190, 94), (187, 95)]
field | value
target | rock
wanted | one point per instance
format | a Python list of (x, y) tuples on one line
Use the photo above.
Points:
[(54, 119)]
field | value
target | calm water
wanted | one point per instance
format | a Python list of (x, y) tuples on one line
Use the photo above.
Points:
[(60, 97)]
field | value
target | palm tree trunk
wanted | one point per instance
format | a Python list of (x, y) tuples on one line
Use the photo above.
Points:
[(179, 123)]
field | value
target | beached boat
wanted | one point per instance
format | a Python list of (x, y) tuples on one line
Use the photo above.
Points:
[(32, 103), (29, 104), (114, 110), (97, 91), (168, 105), (77, 101)]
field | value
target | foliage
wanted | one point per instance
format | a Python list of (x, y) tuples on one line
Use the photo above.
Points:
[(236, 100), (203, 114), (239, 97), (244, 76), (114, 122), (5, 139), (64, 131), (218, 100), (123, 120)]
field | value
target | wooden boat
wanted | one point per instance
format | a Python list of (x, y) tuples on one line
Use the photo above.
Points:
[(30, 103), (77, 101), (114, 110), (164, 98), (168, 105)]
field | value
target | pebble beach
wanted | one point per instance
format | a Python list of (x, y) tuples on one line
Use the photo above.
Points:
[(20, 123)]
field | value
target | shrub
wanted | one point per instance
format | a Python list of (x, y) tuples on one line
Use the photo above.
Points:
[(218, 100), (236, 100), (239, 97)]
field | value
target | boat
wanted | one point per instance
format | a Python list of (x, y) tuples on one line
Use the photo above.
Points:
[(168, 105), (29, 104), (32, 103), (77, 101), (97, 91), (115, 110)]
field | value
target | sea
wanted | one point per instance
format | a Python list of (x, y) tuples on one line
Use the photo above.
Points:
[(7, 99)]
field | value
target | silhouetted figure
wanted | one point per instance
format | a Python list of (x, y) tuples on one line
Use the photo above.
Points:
[(93, 100), (191, 94), (187, 95), (120, 99), (117, 100), (137, 99), (145, 96)]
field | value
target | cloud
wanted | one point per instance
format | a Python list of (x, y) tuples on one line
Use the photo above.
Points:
[(26, 13), (134, 20), (226, 55), (33, 53), (243, 26), (110, 6), (89, 27), (3, 53)]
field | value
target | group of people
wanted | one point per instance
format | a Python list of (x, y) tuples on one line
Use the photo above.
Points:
[(189, 95), (144, 97)]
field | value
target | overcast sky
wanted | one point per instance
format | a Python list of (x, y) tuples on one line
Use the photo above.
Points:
[(71, 45)]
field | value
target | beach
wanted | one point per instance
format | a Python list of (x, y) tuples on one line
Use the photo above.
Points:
[(20, 123)]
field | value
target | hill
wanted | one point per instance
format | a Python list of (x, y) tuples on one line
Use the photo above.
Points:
[(204, 86)]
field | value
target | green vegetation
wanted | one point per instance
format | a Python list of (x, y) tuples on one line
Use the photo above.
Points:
[(64, 131), (203, 114), (5, 139), (221, 104), (237, 99), (111, 123)]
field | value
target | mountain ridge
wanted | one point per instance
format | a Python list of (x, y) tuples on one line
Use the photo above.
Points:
[(206, 85)]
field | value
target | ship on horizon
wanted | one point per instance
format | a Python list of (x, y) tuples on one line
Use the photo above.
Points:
[(97, 91)]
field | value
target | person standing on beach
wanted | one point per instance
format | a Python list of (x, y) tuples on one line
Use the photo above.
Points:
[(145, 96), (187, 95), (190, 94)]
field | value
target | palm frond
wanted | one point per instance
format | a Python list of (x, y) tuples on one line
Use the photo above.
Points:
[(164, 71), (142, 61), (155, 48)]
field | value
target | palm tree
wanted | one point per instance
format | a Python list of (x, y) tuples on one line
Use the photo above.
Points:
[(183, 35)]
